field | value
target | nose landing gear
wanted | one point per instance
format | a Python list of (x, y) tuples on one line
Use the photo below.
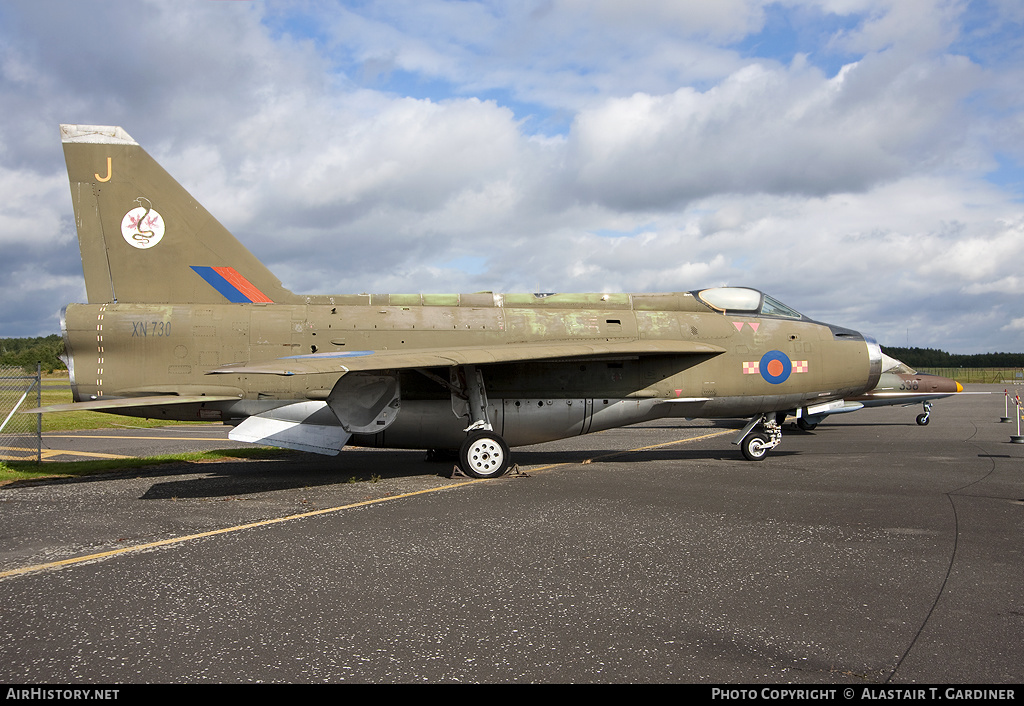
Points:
[(756, 445), (922, 419)]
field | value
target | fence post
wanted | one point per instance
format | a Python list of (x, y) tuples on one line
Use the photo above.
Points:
[(1017, 439), (39, 417)]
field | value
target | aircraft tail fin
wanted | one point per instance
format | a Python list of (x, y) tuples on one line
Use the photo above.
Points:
[(144, 239)]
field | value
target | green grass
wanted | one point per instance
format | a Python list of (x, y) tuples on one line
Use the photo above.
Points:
[(56, 391), (13, 471)]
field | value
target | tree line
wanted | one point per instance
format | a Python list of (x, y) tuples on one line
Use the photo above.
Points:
[(26, 352), (933, 358)]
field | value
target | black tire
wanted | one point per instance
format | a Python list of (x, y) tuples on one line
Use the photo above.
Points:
[(755, 447), (805, 425), (922, 419), (484, 454)]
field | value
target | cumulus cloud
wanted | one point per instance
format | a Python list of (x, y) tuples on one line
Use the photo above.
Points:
[(836, 153), (788, 130)]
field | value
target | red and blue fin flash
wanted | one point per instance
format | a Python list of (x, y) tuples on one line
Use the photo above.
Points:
[(235, 288)]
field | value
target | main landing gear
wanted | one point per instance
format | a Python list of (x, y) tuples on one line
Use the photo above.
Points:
[(484, 454), (756, 444)]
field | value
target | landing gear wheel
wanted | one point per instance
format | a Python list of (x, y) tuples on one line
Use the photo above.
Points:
[(922, 419), (756, 446), (805, 425), (484, 454)]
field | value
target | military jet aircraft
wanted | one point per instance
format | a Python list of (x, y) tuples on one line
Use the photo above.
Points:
[(899, 384), (184, 323)]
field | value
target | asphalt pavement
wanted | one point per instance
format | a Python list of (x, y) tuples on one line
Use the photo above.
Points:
[(871, 551)]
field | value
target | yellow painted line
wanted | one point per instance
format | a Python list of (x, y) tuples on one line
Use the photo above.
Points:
[(143, 438), (50, 453), (18, 448), (313, 513), (669, 443), (225, 530), (636, 450)]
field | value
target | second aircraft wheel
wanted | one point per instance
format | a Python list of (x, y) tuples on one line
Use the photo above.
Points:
[(484, 454)]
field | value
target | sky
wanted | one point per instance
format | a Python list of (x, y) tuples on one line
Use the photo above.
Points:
[(860, 160)]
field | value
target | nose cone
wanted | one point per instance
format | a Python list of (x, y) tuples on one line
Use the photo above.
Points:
[(937, 383)]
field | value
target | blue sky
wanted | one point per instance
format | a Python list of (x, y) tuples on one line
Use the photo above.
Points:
[(807, 30), (861, 160)]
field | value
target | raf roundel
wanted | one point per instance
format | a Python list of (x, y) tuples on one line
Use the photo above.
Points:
[(775, 367)]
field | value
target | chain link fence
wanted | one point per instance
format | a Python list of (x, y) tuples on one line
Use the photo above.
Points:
[(998, 376), (21, 435)]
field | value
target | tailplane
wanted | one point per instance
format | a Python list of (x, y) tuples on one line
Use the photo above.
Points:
[(144, 238)]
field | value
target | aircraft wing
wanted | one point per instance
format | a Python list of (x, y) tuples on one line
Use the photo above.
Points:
[(353, 361)]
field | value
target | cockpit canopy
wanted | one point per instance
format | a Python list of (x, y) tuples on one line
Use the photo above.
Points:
[(742, 300), (891, 365)]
